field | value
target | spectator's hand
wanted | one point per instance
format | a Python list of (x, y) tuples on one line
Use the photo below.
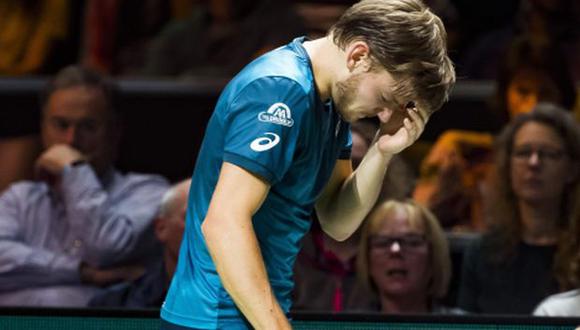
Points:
[(52, 161), (407, 134), (107, 276)]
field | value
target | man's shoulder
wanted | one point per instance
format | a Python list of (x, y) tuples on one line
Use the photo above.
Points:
[(282, 64)]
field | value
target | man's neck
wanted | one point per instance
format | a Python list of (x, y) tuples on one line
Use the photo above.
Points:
[(325, 57)]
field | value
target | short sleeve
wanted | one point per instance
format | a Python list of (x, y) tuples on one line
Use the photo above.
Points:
[(263, 125)]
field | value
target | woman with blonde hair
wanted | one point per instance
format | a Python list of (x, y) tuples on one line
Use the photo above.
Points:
[(404, 259)]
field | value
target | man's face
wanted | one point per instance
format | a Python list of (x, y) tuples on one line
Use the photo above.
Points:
[(80, 118), (370, 94)]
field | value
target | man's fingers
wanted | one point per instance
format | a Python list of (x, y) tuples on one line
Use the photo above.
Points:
[(416, 118)]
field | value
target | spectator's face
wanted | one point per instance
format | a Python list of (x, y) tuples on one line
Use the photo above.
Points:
[(540, 167), (399, 257), (527, 88), (79, 117), (370, 94)]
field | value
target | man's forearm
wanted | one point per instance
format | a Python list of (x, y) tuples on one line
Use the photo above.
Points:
[(236, 254), (342, 213), (24, 266)]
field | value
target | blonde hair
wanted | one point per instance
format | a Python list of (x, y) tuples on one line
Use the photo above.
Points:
[(409, 41), (440, 261)]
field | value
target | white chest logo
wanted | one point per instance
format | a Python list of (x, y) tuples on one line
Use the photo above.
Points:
[(265, 142), (278, 113)]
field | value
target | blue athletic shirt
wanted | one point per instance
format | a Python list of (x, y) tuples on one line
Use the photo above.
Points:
[(270, 121)]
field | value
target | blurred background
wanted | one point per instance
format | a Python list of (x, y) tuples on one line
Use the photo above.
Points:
[(172, 57)]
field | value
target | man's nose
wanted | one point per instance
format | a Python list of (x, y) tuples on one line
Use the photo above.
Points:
[(70, 135), (384, 114)]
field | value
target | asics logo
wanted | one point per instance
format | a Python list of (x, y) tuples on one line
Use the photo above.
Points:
[(265, 142), (278, 113)]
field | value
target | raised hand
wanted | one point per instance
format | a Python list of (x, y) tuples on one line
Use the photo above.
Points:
[(50, 164), (407, 134)]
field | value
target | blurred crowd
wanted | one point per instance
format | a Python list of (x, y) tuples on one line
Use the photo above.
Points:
[(76, 232)]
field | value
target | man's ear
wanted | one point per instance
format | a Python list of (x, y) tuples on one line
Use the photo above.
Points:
[(358, 56)]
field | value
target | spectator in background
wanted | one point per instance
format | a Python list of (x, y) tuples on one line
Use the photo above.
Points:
[(221, 36), (533, 199), (149, 290), (453, 173), (324, 273), (82, 224), (404, 259), (529, 73), (544, 22)]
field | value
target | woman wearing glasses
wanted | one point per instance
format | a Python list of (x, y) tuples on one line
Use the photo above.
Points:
[(533, 198), (404, 259)]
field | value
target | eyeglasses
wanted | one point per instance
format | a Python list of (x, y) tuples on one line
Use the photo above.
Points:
[(549, 154), (410, 242)]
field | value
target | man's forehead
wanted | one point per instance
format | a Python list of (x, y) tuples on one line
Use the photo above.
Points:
[(77, 101)]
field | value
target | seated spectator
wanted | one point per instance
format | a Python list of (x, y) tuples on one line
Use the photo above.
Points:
[(324, 274), (404, 259), (453, 173), (82, 224), (149, 290), (531, 199)]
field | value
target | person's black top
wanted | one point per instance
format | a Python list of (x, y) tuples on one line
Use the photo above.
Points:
[(514, 286)]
